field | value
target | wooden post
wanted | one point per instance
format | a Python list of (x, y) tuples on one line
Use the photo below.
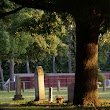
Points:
[(8, 87), (58, 85), (23, 86), (50, 94)]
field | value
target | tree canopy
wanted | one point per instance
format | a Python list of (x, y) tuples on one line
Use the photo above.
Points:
[(81, 10), (35, 34)]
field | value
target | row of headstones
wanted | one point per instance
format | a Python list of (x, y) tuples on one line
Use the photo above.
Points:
[(39, 87)]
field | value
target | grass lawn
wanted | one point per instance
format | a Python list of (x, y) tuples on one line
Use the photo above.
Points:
[(6, 97), (7, 103)]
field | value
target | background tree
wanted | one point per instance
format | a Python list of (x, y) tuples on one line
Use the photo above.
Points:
[(104, 49), (48, 31), (4, 49), (29, 21), (18, 41)]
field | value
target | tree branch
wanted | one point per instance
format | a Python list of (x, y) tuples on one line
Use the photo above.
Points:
[(52, 5), (10, 12)]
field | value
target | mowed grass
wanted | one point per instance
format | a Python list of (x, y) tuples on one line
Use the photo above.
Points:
[(7, 102), (29, 95), (104, 94)]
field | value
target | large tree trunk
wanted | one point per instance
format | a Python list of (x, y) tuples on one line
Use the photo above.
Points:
[(86, 91)]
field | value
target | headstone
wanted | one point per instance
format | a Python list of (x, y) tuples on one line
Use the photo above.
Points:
[(39, 84), (18, 95), (71, 92), (50, 94), (58, 85), (107, 82)]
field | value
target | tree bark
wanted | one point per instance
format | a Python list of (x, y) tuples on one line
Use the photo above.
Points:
[(69, 61), (2, 78), (54, 69), (86, 90), (10, 12), (11, 73), (27, 66)]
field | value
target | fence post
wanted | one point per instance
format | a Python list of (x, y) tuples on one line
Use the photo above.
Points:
[(58, 85), (8, 87), (0, 86), (50, 94), (23, 86), (66, 81), (48, 83)]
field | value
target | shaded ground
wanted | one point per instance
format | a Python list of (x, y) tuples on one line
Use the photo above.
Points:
[(52, 106)]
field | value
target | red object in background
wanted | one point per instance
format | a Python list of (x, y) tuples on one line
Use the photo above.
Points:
[(51, 79)]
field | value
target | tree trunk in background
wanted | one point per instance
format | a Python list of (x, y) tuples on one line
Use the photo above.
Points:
[(86, 90), (27, 66), (71, 35), (12, 86), (54, 70), (69, 61), (2, 78)]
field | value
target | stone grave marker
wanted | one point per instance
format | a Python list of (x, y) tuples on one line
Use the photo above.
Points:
[(71, 92), (18, 95), (39, 84)]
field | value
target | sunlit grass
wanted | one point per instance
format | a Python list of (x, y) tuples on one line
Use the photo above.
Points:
[(6, 98), (104, 94), (28, 95)]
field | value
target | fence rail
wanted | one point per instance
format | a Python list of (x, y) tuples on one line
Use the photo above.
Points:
[(48, 82), (8, 87), (52, 82)]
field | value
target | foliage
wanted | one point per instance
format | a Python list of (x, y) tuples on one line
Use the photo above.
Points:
[(28, 22), (37, 35), (5, 42), (104, 48)]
